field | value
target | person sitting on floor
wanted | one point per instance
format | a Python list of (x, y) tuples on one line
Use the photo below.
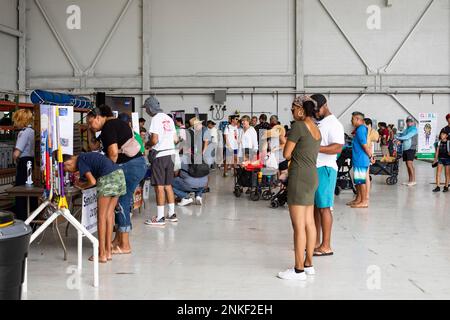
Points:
[(184, 184)]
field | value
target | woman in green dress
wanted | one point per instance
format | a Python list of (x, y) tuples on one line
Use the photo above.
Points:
[(302, 149)]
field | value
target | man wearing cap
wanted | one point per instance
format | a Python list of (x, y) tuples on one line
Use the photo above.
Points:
[(162, 141), (409, 138), (333, 140)]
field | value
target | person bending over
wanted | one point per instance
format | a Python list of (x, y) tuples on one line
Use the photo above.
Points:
[(97, 170)]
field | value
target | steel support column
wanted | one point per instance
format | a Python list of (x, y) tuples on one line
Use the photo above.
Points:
[(22, 54), (299, 36)]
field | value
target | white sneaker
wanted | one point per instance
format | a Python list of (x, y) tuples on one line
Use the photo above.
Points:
[(198, 201), (290, 274), (405, 183), (310, 271), (412, 184), (185, 202)]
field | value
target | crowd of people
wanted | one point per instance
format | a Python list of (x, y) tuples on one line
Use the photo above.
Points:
[(178, 161)]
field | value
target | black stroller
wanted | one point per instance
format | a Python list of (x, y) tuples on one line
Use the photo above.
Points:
[(344, 178), (280, 198)]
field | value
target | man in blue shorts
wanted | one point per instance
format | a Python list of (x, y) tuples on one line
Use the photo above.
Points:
[(333, 141), (361, 158)]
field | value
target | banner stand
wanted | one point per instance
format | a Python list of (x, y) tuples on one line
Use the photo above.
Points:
[(77, 225)]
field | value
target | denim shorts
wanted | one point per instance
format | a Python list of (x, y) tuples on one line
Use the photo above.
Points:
[(444, 161)]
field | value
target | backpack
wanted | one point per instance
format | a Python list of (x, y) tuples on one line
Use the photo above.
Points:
[(197, 170)]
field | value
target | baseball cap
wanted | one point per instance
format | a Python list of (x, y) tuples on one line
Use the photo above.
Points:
[(410, 119), (152, 106), (194, 121), (320, 99)]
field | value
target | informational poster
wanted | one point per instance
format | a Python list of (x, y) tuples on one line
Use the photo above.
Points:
[(89, 210), (428, 132), (48, 128), (66, 129), (135, 121)]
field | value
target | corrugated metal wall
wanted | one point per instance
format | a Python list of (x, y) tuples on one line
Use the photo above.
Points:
[(195, 46), (8, 45)]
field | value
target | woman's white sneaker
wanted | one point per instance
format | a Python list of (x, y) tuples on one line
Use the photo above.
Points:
[(290, 274), (185, 202), (198, 201), (310, 271)]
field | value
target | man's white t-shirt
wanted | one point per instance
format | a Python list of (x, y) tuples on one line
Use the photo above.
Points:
[(164, 127), (232, 133), (332, 132)]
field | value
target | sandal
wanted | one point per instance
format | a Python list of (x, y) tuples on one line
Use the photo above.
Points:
[(117, 250), (322, 254), (91, 258), (358, 206)]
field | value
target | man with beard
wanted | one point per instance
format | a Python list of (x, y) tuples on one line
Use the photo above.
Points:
[(333, 140)]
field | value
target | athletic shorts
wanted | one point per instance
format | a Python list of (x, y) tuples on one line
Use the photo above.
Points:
[(360, 174), (112, 185), (324, 197), (162, 171), (409, 155)]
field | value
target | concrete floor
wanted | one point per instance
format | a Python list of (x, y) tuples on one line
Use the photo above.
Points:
[(233, 248)]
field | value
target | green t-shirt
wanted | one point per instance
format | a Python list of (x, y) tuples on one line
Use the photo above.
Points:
[(137, 136)]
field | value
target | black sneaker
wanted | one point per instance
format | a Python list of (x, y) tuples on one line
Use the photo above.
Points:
[(445, 189), (172, 218), (437, 189)]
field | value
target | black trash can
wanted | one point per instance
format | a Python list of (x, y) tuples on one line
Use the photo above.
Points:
[(14, 243)]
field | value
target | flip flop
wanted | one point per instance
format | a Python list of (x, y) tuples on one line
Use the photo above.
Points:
[(359, 207), (322, 254), (91, 258), (117, 250)]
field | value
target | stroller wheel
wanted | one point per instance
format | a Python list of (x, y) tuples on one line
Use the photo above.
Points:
[(337, 191), (267, 195), (254, 196), (274, 204), (237, 192), (391, 181)]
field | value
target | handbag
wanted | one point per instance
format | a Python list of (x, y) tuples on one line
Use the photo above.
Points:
[(130, 148), (153, 153), (271, 161)]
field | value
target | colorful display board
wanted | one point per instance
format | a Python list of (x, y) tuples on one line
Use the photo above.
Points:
[(428, 132)]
